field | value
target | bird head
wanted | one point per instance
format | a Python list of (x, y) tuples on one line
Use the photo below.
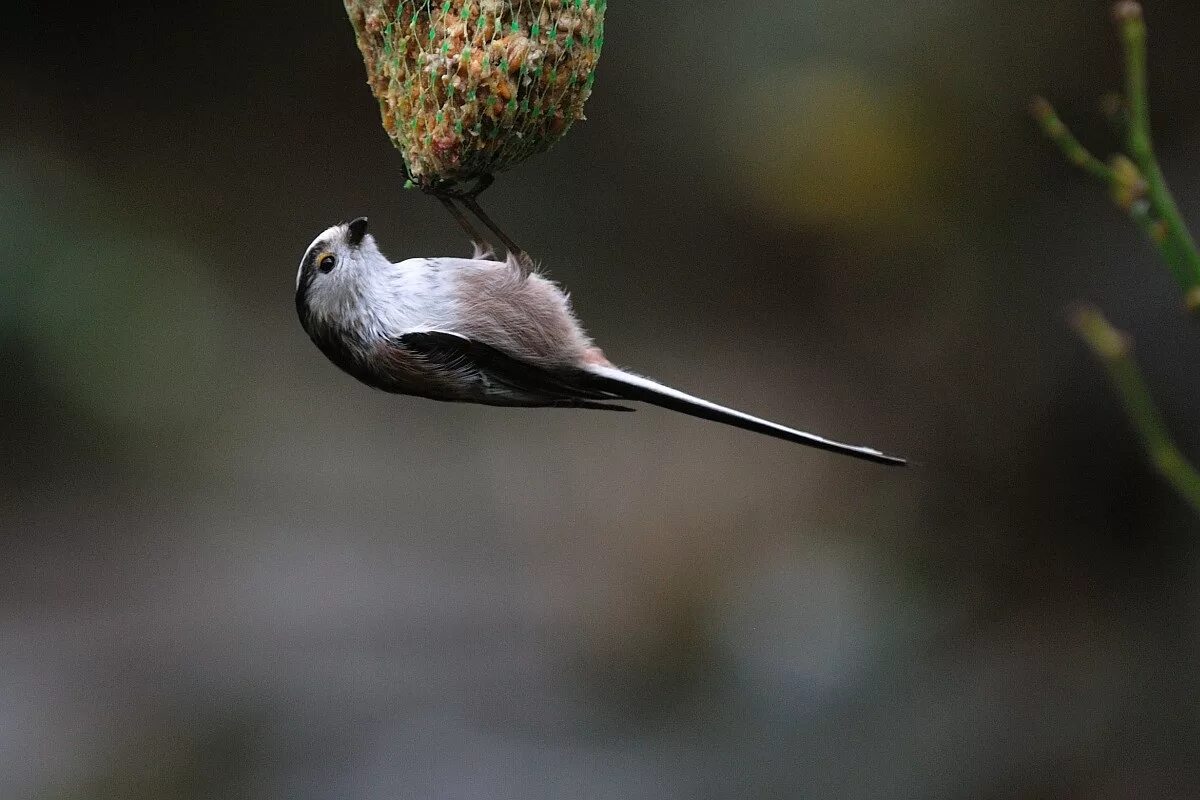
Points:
[(334, 271)]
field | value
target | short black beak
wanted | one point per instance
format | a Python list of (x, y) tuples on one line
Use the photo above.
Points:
[(358, 229)]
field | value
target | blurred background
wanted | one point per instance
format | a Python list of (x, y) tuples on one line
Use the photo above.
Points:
[(229, 571)]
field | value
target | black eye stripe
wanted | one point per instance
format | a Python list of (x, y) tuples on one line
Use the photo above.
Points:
[(310, 258)]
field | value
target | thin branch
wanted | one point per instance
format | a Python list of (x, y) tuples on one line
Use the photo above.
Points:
[(1178, 245), (1122, 177), (1136, 184), (1112, 348), (1057, 131)]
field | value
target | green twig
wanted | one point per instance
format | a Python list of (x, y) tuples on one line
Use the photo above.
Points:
[(1184, 259), (1124, 180), (1136, 184), (1058, 132), (1114, 351)]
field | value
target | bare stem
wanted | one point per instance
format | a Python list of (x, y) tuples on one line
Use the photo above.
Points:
[(1178, 246), (1138, 187), (1124, 180), (1137, 183), (1057, 131), (1112, 348)]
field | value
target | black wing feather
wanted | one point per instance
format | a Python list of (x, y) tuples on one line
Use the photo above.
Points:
[(505, 380)]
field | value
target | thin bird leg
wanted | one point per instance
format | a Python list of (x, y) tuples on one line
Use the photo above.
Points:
[(477, 241), (447, 194), (468, 199), (473, 206)]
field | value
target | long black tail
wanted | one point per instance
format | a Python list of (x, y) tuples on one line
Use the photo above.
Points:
[(634, 387)]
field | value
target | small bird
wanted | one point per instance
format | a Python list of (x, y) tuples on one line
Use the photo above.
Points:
[(478, 330)]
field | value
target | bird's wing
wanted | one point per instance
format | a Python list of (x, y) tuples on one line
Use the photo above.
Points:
[(496, 378)]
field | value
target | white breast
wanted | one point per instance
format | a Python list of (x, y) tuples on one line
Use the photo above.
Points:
[(420, 294)]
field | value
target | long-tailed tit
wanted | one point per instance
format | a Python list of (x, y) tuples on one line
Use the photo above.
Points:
[(477, 330)]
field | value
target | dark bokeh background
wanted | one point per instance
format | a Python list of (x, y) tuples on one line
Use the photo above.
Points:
[(228, 571)]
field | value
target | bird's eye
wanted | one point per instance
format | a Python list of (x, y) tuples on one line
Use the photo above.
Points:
[(328, 263)]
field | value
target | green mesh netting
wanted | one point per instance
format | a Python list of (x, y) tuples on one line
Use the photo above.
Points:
[(471, 87)]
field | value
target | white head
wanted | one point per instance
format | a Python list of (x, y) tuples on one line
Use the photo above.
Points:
[(337, 272)]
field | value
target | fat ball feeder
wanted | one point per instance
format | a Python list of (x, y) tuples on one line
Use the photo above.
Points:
[(468, 88)]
